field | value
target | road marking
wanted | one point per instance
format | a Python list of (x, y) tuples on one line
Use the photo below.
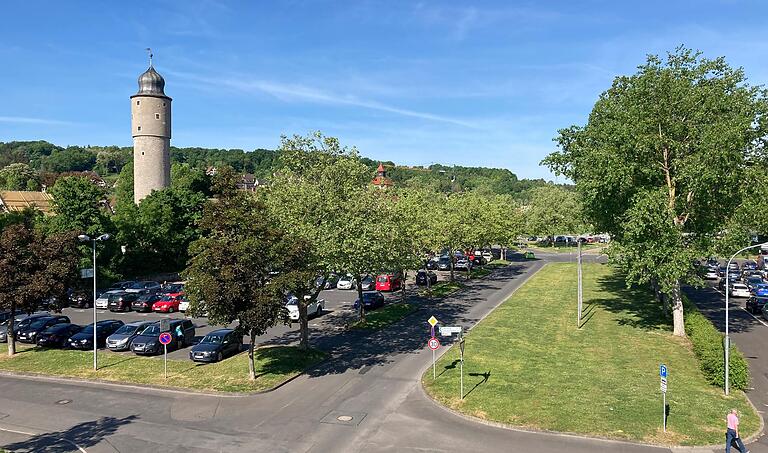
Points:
[(745, 310)]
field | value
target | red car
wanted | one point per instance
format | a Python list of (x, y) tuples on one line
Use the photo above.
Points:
[(389, 282), (168, 303)]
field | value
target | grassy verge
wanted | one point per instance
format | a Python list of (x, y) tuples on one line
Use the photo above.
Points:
[(495, 264), (480, 272), (527, 364), (274, 365), (378, 319), (442, 289), (562, 248)]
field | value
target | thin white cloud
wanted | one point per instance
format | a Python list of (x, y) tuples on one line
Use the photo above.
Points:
[(28, 120), (297, 92)]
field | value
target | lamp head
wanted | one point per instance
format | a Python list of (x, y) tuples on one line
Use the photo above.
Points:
[(83, 238), (103, 237)]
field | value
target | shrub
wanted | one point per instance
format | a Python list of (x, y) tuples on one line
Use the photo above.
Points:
[(708, 345)]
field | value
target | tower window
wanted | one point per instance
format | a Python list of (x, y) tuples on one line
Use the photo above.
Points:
[(142, 153), (163, 104), (138, 128), (138, 102), (157, 116)]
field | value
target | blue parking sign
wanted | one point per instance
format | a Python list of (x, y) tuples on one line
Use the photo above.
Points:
[(663, 370)]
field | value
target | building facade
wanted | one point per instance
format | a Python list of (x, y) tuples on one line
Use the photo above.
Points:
[(151, 130)]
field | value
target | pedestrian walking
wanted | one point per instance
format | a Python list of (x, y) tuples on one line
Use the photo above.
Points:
[(732, 420)]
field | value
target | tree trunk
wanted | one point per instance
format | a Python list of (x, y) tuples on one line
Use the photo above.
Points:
[(9, 333), (429, 282), (303, 323), (450, 259), (251, 358), (360, 297), (677, 310), (402, 287)]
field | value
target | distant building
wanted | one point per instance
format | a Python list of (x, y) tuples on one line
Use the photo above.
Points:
[(15, 201), (151, 130), (249, 182), (381, 180)]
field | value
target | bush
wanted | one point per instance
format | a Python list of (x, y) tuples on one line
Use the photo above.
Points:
[(709, 349)]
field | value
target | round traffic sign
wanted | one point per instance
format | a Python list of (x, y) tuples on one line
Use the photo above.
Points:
[(165, 338), (433, 343)]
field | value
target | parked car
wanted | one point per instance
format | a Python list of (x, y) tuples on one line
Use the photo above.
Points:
[(137, 287), (755, 304), (29, 332), (422, 277), (740, 290), (345, 282), (169, 303), (711, 273), (172, 288), (329, 283), (148, 341), (144, 302), (57, 335), (121, 339), (463, 264), (81, 299), (760, 289), (367, 283), (120, 286), (478, 260), (444, 263), (102, 302), (84, 338), (488, 255), (313, 308), (753, 281), (371, 300), (183, 303), (389, 282), (20, 321), (216, 346), (749, 265), (431, 264), (121, 301)]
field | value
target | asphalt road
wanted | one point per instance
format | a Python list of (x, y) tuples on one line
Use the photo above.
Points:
[(367, 398)]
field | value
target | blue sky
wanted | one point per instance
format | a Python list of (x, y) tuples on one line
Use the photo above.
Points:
[(452, 82)]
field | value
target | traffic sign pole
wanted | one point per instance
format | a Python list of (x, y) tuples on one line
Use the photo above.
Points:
[(434, 372), (433, 343), (165, 338), (461, 366), (165, 351), (663, 376)]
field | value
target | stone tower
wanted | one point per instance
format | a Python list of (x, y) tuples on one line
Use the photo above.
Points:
[(151, 130)]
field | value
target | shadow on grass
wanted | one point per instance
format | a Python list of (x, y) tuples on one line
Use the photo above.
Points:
[(635, 306), (118, 362), (486, 376), (83, 435)]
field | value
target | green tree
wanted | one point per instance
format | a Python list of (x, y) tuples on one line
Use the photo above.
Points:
[(553, 210), (236, 266), (19, 176), (193, 179), (74, 158), (658, 161), (33, 268), (310, 197), (80, 206)]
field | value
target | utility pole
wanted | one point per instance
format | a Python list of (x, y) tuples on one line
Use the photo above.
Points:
[(580, 293)]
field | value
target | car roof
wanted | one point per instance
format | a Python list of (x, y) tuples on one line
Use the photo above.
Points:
[(138, 323), (221, 332)]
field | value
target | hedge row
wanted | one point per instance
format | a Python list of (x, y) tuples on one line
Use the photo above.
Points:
[(708, 345)]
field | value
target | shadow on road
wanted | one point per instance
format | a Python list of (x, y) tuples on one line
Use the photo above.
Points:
[(358, 349), (82, 435), (712, 304)]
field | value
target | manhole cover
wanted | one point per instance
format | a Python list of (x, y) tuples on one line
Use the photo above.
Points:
[(63, 402), (349, 418), (344, 418)]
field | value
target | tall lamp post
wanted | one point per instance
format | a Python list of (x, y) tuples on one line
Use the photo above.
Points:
[(727, 300), (85, 238)]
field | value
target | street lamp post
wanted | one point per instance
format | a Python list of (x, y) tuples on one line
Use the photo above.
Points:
[(85, 238), (727, 339)]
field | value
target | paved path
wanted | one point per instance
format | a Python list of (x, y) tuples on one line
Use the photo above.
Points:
[(373, 378)]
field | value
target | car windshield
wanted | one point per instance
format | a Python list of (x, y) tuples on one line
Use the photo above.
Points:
[(154, 329), (146, 297), (136, 285), (173, 288), (369, 295), (127, 329), (383, 279), (167, 298), (212, 339), (38, 323), (57, 328), (367, 280), (88, 329)]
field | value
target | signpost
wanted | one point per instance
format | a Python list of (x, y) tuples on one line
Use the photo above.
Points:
[(433, 343), (86, 273), (663, 376), (165, 339), (461, 366), (579, 296), (449, 330)]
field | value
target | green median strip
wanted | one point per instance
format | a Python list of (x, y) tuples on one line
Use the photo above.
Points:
[(274, 365), (442, 289), (389, 314), (528, 365)]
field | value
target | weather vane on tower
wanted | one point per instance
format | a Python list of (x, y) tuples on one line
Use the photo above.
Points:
[(149, 51)]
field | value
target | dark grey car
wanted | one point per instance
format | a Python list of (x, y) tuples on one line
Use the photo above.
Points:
[(20, 321), (122, 338)]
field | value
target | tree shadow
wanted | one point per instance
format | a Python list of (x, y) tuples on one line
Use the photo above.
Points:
[(711, 304), (634, 306), (356, 349), (486, 376), (84, 435), (125, 359)]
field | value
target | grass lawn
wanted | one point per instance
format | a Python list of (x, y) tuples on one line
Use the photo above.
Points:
[(274, 365), (480, 272), (495, 264), (528, 365), (388, 314), (442, 289)]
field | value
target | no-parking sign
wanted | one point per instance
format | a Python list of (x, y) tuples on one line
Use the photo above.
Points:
[(165, 338)]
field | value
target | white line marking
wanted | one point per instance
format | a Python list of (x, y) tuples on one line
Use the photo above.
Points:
[(745, 310)]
